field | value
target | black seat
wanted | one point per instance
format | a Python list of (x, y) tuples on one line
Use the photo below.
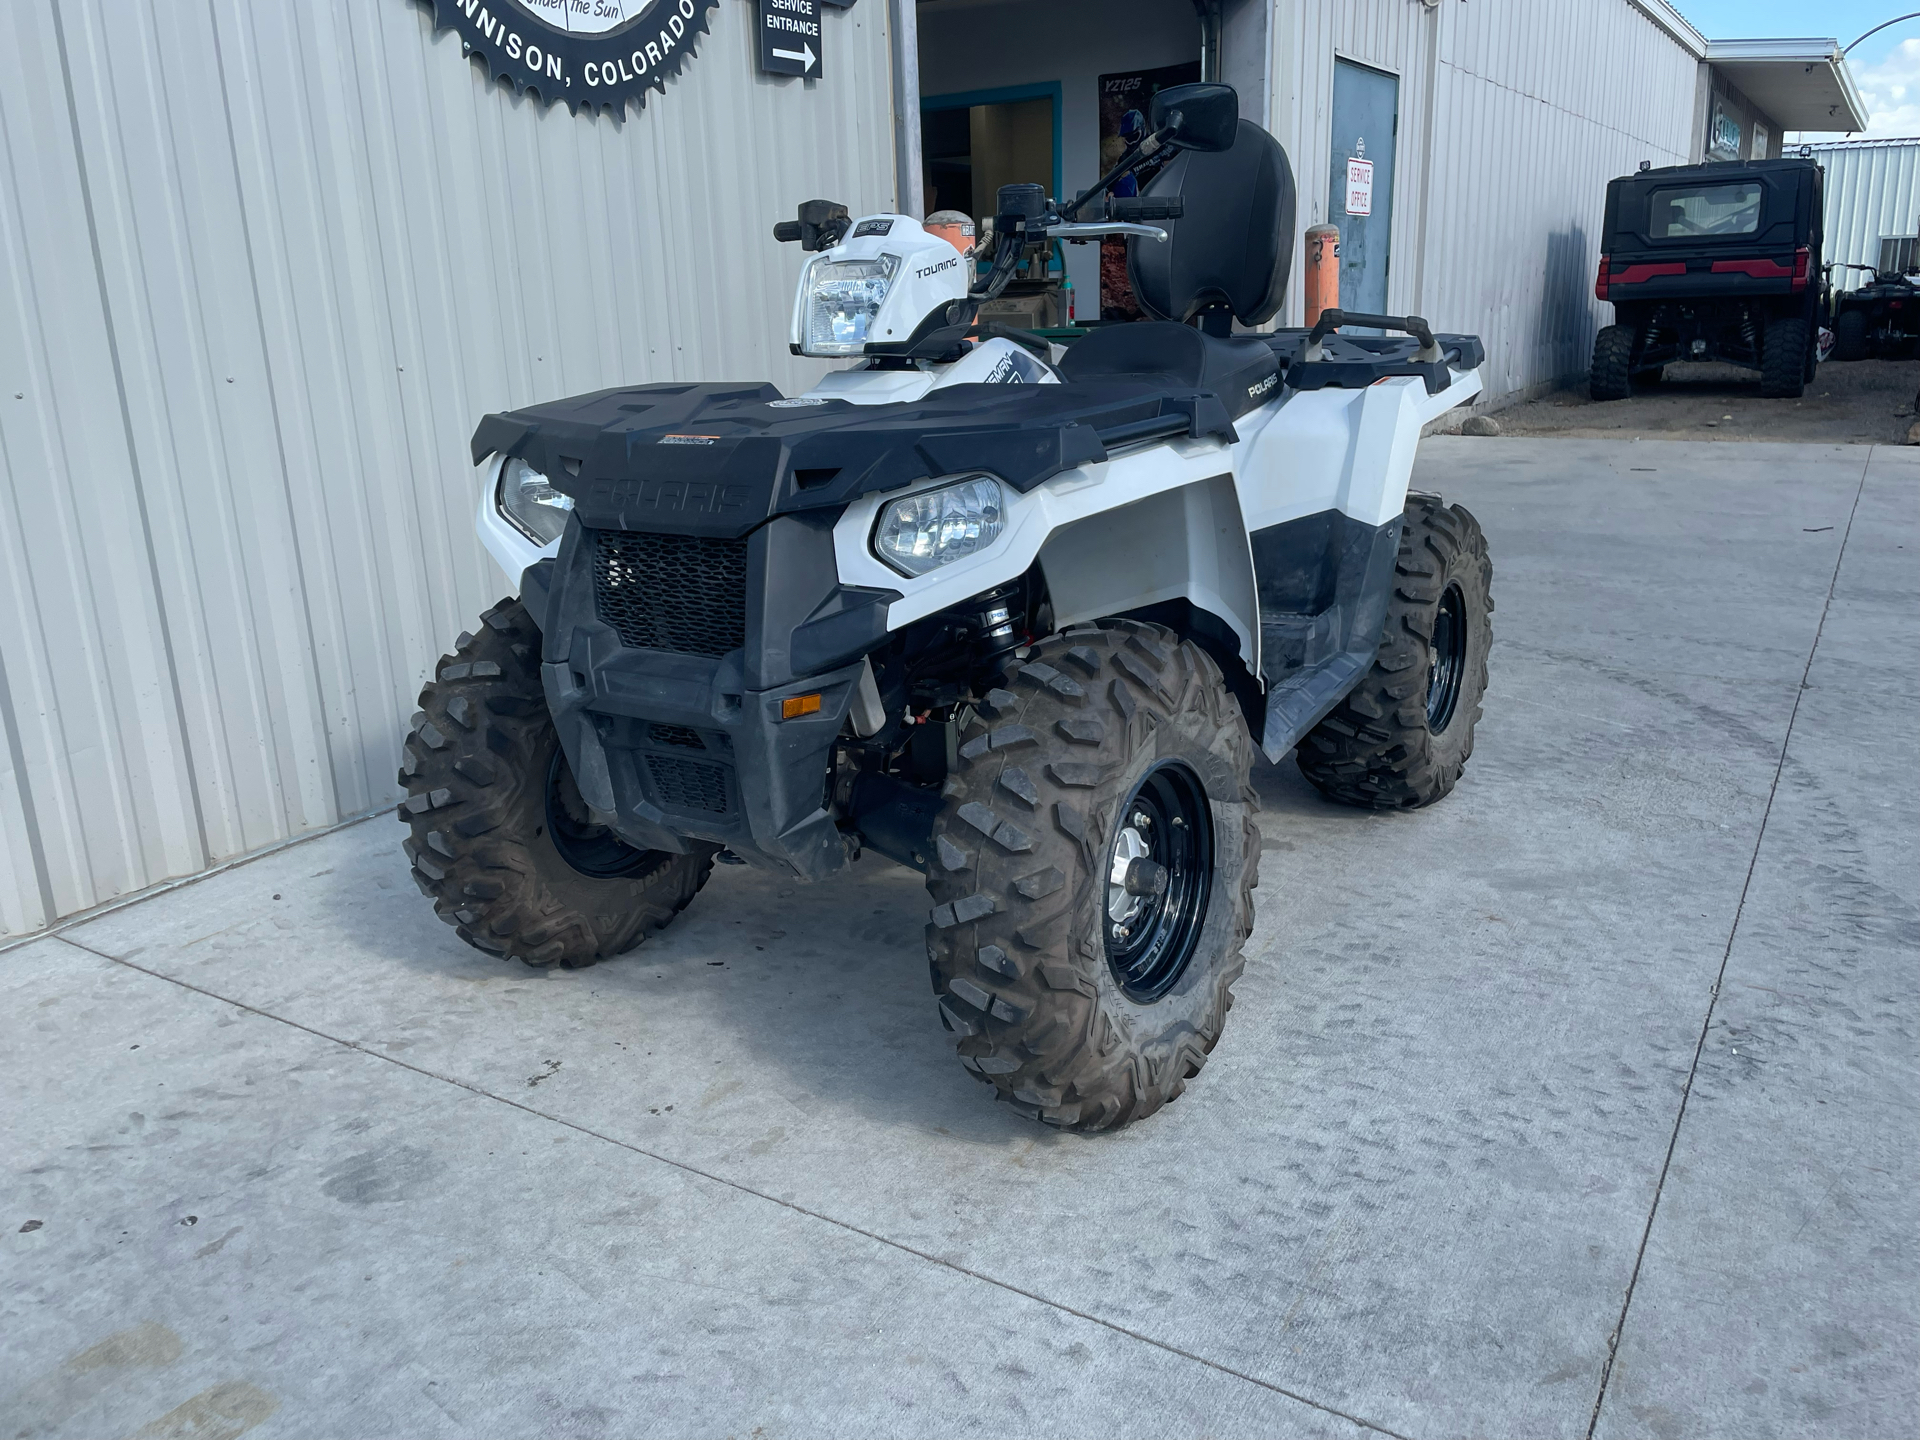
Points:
[(1242, 370), (1225, 259)]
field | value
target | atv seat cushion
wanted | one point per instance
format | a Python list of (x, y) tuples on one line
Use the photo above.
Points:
[(1241, 369)]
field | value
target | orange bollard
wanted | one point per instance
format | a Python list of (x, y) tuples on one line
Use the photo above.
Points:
[(1323, 271)]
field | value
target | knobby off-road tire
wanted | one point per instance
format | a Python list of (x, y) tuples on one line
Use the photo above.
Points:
[(1023, 854), (1783, 359), (478, 766), (1850, 336), (1612, 377), (1401, 739)]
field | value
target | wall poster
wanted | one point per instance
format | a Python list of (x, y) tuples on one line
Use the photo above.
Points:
[(1125, 100)]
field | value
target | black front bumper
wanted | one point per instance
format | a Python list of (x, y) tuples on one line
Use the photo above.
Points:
[(682, 747)]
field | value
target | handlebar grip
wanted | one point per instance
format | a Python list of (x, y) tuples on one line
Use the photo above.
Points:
[(786, 231), (1331, 320), (1138, 208)]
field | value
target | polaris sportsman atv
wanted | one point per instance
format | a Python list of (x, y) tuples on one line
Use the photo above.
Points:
[(1711, 262), (1018, 619)]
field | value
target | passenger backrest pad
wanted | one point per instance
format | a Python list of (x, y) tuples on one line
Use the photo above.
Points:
[(1234, 244)]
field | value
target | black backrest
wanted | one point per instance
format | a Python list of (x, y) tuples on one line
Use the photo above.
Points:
[(1233, 246)]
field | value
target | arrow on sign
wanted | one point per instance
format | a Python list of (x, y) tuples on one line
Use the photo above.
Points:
[(804, 55)]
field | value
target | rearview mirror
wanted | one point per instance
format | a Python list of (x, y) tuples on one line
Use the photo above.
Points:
[(1203, 117)]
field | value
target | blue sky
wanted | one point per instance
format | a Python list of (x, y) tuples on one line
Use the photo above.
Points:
[(1886, 68)]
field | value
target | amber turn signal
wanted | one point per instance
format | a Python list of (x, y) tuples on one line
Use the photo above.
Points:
[(794, 706)]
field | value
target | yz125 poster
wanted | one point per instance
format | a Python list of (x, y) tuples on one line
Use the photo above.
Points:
[(1125, 101)]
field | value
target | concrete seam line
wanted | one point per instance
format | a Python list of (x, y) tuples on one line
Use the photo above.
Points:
[(743, 1189), (1713, 996), (181, 882)]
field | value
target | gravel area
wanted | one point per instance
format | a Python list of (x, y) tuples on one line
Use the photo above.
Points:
[(1868, 402)]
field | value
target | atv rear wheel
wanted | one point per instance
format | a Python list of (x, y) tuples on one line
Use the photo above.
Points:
[(1783, 359), (1403, 736), (1093, 873), (1850, 336), (501, 841), (1612, 377)]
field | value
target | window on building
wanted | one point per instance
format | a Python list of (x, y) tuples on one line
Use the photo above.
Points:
[(1705, 210)]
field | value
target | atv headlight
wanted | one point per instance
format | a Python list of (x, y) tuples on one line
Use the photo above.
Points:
[(843, 297), (530, 503), (926, 531)]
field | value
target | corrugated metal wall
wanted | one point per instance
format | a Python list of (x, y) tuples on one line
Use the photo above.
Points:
[(1873, 189), (1514, 114), (266, 266)]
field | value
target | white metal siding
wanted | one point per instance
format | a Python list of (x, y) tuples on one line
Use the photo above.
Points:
[(266, 266), (1514, 114), (1872, 189)]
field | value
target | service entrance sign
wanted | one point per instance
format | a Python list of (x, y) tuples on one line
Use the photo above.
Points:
[(597, 53), (790, 39), (1359, 187)]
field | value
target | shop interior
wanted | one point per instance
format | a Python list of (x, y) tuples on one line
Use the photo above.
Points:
[(1044, 92)]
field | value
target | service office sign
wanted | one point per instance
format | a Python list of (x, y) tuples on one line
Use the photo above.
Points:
[(599, 53)]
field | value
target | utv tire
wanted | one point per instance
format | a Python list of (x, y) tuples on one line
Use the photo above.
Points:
[(1612, 377), (1402, 737), (1085, 1003), (1783, 360), (1850, 336), (490, 805)]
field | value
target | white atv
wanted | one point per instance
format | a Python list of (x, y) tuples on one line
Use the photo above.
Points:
[(1016, 616)]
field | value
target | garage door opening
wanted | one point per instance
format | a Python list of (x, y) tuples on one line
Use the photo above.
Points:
[(1049, 94)]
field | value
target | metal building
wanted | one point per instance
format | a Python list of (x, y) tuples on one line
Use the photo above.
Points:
[(1872, 193), (267, 265)]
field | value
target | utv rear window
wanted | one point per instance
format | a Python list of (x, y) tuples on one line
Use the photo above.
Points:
[(1732, 209)]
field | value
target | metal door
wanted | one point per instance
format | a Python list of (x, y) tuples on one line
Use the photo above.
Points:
[(1366, 117)]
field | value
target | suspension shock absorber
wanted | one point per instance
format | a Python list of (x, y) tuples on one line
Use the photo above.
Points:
[(997, 621)]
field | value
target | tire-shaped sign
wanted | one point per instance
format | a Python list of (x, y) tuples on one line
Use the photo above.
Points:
[(596, 53)]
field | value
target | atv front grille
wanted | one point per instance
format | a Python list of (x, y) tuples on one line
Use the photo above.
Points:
[(688, 784), (682, 593)]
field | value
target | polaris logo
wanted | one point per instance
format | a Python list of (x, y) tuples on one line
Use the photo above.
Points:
[(679, 497), (932, 270), (688, 440), (1254, 392)]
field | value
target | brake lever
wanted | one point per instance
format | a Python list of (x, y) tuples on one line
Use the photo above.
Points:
[(1091, 229)]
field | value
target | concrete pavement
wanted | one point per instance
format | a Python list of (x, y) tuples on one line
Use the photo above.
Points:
[(1618, 1039)]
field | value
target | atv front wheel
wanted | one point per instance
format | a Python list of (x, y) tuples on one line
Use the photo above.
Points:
[(1612, 377), (1093, 873), (501, 841), (1402, 738), (1783, 360)]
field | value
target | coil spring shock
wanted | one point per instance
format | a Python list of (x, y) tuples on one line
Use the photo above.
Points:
[(998, 620)]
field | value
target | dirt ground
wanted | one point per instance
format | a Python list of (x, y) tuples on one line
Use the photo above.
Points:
[(1865, 402)]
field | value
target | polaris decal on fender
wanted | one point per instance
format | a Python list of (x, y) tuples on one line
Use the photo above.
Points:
[(594, 53)]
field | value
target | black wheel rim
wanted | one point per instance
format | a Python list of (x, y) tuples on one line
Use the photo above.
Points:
[(592, 850), (1449, 658), (1163, 843)]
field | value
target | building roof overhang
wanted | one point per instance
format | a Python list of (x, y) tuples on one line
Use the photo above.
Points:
[(1802, 84)]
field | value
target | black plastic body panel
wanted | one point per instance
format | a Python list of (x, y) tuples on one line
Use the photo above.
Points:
[(1323, 582), (684, 746), (719, 460)]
